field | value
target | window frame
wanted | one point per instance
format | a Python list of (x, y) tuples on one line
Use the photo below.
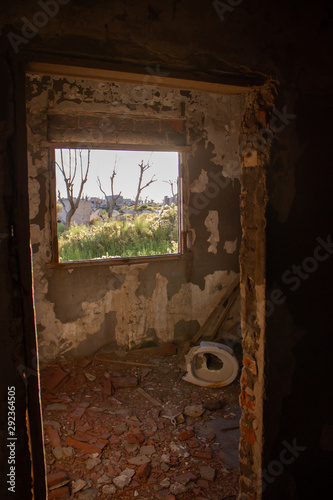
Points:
[(181, 150)]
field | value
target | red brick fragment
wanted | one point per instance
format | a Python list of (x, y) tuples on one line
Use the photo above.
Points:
[(114, 439), (210, 437), (101, 443), (56, 478), (54, 436), (107, 387), (87, 448), (84, 362), (247, 401), (183, 436), (144, 470), (261, 116), (54, 381), (61, 493), (185, 478), (134, 437), (78, 413), (250, 365), (203, 483), (248, 434), (83, 437)]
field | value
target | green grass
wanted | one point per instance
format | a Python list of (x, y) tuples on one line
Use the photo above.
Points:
[(146, 234)]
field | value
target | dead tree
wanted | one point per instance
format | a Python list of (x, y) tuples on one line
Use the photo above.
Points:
[(143, 168), (111, 203), (174, 195), (69, 178)]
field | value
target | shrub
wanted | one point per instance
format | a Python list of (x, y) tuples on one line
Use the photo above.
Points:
[(146, 234)]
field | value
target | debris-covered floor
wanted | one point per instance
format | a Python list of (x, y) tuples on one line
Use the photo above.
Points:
[(109, 431)]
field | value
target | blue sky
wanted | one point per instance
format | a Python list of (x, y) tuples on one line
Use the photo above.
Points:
[(163, 164)]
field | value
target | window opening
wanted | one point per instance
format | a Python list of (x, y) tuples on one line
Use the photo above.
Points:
[(116, 204)]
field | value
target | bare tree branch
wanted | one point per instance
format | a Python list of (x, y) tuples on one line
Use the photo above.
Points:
[(69, 181), (143, 167), (111, 203)]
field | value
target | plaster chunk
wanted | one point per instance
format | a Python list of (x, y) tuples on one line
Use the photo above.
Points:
[(230, 246), (199, 185), (211, 223)]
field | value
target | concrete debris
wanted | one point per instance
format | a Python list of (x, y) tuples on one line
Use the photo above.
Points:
[(78, 486), (177, 488), (207, 473), (122, 481), (194, 411), (90, 494), (92, 462), (109, 489)]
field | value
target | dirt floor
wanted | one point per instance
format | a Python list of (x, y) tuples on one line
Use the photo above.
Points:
[(124, 425)]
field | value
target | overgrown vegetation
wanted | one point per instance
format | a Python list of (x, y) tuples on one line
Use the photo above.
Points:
[(145, 234)]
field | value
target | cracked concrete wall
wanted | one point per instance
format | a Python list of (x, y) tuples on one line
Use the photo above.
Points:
[(81, 309)]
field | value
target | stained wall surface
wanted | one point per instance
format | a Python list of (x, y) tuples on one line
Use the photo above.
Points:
[(81, 309)]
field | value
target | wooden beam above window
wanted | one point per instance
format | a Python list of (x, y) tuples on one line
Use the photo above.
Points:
[(144, 79)]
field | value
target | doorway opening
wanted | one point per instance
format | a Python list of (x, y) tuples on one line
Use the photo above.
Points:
[(135, 313)]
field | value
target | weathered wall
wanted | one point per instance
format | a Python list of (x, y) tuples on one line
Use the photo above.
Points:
[(80, 309)]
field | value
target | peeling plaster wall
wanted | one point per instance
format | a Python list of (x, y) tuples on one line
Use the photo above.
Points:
[(81, 309)]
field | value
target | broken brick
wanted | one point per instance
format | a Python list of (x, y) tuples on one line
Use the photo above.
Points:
[(250, 364), (185, 478), (107, 387), (53, 436), (248, 434), (205, 454), (87, 448), (114, 439), (203, 483), (57, 479), (183, 436), (144, 470), (78, 413), (61, 493), (55, 380), (247, 401), (135, 437)]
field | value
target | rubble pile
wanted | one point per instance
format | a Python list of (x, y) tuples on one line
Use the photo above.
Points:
[(127, 425)]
